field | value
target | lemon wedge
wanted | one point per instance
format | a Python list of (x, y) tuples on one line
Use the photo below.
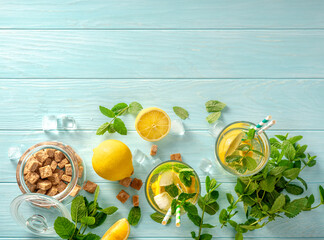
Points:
[(232, 142), (152, 124), (119, 231)]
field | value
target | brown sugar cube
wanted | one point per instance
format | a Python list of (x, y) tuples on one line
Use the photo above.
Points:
[(122, 196), (135, 200), (80, 171), (45, 171), (66, 178), (136, 183), (78, 158), (50, 152), (52, 191), (125, 182), (41, 191), (53, 165), (61, 186), (41, 156), (32, 165), (60, 172), (90, 187), (32, 177), (68, 169), (31, 187), (154, 149), (75, 190), (54, 179), (63, 163), (58, 156), (176, 156), (44, 184), (48, 161)]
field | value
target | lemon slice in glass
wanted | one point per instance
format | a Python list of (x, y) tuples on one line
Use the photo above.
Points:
[(232, 142), (152, 124)]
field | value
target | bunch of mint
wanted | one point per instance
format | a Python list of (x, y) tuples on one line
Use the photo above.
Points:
[(84, 214), (116, 124), (265, 195)]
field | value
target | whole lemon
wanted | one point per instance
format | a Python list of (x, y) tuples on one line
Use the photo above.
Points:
[(112, 160)]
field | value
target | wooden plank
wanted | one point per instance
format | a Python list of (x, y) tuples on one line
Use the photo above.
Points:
[(145, 14), (23, 103), (161, 54), (311, 222), (193, 146)]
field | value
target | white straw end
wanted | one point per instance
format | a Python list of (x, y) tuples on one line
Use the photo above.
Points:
[(178, 225), (164, 223)]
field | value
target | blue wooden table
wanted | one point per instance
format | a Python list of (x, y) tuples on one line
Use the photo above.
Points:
[(70, 56)]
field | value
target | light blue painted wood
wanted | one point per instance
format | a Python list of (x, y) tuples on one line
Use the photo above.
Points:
[(161, 14), (161, 54), (193, 146), (24, 102), (294, 228)]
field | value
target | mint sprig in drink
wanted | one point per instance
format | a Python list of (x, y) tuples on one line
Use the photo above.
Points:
[(240, 150)]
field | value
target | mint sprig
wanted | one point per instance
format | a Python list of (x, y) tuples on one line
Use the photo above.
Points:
[(84, 214), (265, 196), (116, 124), (214, 107)]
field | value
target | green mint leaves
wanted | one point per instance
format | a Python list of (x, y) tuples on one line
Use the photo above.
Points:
[(266, 195), (158, 217), (116, 124), (214, 107), (181, 112), (84, 214), (134, 216)]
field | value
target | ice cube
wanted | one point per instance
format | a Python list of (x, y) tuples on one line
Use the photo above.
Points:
[(163, 201), (156, 161), (205, 165), (68, 122), (49, 123), (139, 157), (216, 128), (177, 127), (166, 178), (15, 152)]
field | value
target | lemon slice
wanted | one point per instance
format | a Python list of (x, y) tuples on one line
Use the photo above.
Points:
[(152, 124), (119, 231), (232, 142)]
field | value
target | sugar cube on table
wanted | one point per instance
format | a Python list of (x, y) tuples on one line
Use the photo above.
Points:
[(122, 196)]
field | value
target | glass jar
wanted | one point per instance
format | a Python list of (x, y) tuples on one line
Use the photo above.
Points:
[(233, 132), (73, 158)]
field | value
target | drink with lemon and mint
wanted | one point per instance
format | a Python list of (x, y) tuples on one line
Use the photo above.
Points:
[(167, 181), (240, 150)]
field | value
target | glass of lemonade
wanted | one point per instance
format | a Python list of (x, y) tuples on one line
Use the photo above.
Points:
[(167, 181), (241, 152)]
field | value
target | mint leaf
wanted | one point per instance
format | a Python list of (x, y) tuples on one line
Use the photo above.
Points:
[(277, 170), (244, 147), (321, 190), (239, 187), (289, 150), (78, 209), (109, 210), (107, 112), (96, 194), (310, 202), (257, 152), (195, 219), (223, 216), (134, 108), (278, 203), (181, 112), (119, 108), (303, 182), (158, 217), (91, 236), (102, 129), (119, 126), (294, 189), (295, 139), (88, 220), (134, 216), (250, 134), (207, 183), (230, 198), (291, 173), (190, 208), (172, 190), (295, 207), (206, 236), (174, 206), (281, 137), (64, 228), (268, 184), (111, 128), (185, 178), (214, 106), (186, 196), (210, 208), (233, 158), (250, 163), (100, 217), (213, 117)]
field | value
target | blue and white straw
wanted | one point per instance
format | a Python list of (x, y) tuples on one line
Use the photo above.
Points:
[(264, 121), (266, 127), (166, 217)]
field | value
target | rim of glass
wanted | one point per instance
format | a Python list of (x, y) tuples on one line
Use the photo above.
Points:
[(168, 161), (217, 157), (44, 145)]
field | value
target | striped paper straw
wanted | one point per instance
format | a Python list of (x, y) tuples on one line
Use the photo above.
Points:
[(267, 127), (178, 220), (166, 217), (264, 121)]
